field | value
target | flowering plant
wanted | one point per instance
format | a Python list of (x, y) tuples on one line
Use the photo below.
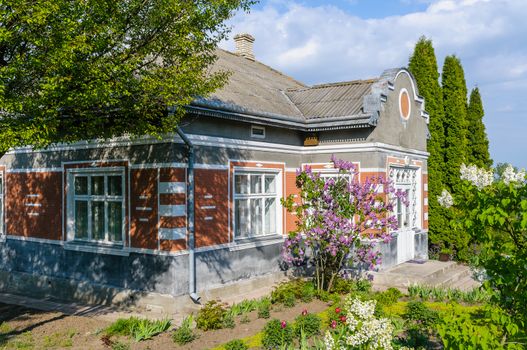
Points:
[(495, 217), (339, 220), (361, 330)]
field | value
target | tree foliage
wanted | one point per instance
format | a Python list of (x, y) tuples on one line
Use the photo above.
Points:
[(455, 241), (336, 216), (496, 218), (478, 143), (423, 66), (82, 69), (455, 122)]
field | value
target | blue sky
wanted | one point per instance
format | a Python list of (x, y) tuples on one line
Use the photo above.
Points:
[(327, 41)]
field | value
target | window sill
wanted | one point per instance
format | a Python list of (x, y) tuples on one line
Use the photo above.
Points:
[(253, 242), (96, 248)]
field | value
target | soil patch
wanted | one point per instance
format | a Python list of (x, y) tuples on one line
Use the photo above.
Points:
[(29, 328), (24, 327), (211, 339)]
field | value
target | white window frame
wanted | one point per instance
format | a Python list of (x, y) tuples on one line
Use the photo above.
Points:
[(278, 194), (261, 128), (414, 200), (70, 189)]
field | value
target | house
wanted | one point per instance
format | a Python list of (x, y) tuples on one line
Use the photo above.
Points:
[(201, 207)]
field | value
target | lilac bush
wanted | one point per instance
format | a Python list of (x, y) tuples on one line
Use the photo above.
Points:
[(339, 221)]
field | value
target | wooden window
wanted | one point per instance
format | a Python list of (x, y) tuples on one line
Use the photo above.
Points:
[(96, 205), (256, 203)]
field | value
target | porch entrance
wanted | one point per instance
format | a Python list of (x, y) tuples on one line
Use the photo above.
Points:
[(407, 212)]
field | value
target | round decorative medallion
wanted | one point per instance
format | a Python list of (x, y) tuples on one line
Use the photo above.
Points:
[(404, 104)]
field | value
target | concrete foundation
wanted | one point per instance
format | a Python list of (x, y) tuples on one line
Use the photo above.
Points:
[(49, 271)]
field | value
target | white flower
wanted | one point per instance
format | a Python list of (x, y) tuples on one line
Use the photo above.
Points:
[(363, 329), (445, 200), (478, 177), (509, 175), (329, 342)]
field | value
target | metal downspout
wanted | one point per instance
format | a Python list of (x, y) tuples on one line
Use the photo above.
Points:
[(190, 216)]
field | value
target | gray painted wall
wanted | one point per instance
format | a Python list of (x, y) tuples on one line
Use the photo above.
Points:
[(392, 129), (49, 270)]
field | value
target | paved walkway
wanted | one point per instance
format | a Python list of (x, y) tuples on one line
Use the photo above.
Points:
[(431, 273), (154, 306)]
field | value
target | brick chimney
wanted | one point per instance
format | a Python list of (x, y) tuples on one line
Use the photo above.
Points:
[(244, 45)]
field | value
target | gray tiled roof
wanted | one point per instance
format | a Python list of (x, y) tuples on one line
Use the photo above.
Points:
[(331, 100), (259, 93), (255, 86)]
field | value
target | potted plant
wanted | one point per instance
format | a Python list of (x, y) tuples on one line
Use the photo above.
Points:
[(445, 254)]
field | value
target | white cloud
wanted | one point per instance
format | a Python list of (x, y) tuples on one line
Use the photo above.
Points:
[(325, 44)]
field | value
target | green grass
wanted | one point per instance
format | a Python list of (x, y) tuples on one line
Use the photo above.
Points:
[(59, 340), (20, 342), (139, 329), (474, 296)]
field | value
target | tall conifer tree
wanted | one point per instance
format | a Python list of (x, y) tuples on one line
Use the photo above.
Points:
[(478, 143), (423, 66), (455, 122), (456, 151)]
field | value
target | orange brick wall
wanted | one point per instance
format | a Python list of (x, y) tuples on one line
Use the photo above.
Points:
[(143, 195), (211, 207), (42, 221)]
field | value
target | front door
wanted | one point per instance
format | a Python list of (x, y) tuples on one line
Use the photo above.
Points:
[(405, 179)]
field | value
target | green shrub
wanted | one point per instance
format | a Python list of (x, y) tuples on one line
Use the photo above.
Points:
[(139, 329), (288, 292), (228, 321), (245, 319), (488, 329), (123, 326), (264, 309), (307, 323), (388, 297), (211, 316), (243, 307), (277, 334), (417, 311), (236, 344), (348, 285), (184, 334)]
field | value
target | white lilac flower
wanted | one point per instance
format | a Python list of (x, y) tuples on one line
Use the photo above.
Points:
[(478, 177), (445, 200), (509, 175), (329, 342), (364, 330)]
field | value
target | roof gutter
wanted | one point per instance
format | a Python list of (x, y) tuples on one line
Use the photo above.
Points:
[(191, 246), (333, 123)]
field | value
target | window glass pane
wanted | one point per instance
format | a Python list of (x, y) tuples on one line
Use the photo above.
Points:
[(241, 217), (97, 185), (270, 215), (97, 220), (115, 221), (256, 216), (256, 184), (241, 184), (115, 185), (1, 185), (81, 219), (81, 185), (270, 184)]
